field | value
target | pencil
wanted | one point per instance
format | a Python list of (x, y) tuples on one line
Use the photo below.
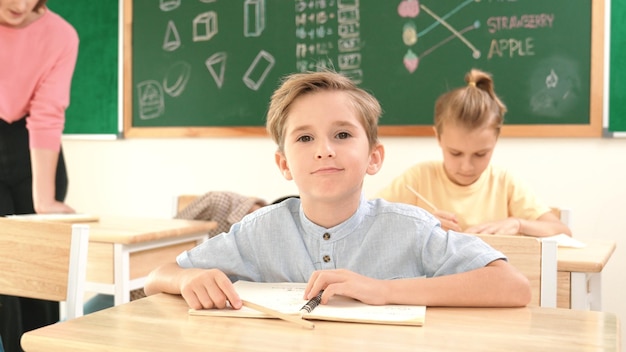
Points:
[(290, 318), (431, 205)]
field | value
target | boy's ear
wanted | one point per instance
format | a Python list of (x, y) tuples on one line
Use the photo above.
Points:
[(281, 162), (377, 156), (436, 134)]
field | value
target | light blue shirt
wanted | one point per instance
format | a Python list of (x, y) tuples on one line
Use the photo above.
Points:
[(381, 240)]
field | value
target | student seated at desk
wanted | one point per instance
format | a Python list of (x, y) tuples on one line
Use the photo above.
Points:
[(377, 252), (464, 191)]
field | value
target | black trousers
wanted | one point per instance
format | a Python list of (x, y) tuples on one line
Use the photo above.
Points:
[(19, 314)]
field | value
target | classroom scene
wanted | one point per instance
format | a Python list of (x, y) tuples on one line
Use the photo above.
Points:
[(178, 175)]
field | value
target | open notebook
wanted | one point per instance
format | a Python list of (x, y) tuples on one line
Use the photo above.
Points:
[(287, 298)]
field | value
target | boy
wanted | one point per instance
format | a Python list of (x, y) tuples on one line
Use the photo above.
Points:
[(332, 237)]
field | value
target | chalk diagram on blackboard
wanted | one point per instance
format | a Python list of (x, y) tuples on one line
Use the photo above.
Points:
[(171, 41), (151, 100), (555, 87), (169, 5), (410, 35), (151, 93)]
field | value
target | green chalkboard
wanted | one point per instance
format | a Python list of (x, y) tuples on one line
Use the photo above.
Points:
[(93, 106), (216, 63), (617, 80)]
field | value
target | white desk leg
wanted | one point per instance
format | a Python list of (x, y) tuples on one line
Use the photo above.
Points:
[(548, 273), (121, 275), (595, 291), (586, 291)]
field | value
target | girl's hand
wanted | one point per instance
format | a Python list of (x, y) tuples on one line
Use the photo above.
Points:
[(448, 220), (346, 283), (509, 226)]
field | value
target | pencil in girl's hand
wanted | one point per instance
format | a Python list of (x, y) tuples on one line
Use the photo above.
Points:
[(431, 205)]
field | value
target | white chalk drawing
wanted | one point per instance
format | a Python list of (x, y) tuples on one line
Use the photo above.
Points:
[(552, 80), (258, 70), (216, 64), (176, 78), (253, 18), (349, 61), (555, 88), (151, 103), (169, 5), (171, 41), (208, 1), (205, 26)]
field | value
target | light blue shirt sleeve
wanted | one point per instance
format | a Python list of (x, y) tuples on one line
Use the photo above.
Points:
[(381, 240)]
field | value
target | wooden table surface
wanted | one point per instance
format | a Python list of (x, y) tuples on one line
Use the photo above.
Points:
[(162, 323), (590, 259), (129, 230)]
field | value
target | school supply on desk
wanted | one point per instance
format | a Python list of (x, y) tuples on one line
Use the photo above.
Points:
[(286, 298), (563, 240), (71, 218), (276, 314), (426, 201)]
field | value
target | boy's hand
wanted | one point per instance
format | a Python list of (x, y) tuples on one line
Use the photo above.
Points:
[(345, 283), (448, 220), (205, 289)]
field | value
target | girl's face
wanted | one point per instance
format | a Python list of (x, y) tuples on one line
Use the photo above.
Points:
[(17, 13), (466, 153)]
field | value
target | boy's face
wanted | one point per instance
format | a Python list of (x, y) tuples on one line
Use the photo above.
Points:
[(466, 153), (326, 150)]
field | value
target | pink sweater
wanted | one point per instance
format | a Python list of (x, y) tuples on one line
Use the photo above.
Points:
[(36, 67)]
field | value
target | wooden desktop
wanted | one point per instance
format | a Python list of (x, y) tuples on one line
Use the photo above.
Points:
[(123, 250), (162, 323)]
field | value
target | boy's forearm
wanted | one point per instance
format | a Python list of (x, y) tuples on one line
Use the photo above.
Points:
[(496, 285), (164, 279)]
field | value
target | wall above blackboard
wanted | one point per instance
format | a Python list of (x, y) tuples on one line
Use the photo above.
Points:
[(208, 68)]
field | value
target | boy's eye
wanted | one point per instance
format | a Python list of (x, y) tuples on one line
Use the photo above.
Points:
[(455, 154), (304, 139), (343, 135), (480, 155)]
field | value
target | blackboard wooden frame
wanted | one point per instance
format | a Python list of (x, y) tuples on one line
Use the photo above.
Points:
[(591, 129)]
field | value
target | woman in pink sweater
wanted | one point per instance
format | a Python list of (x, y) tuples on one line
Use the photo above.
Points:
[(38, 51)]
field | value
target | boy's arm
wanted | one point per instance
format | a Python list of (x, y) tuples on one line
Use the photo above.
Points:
[(201, 288), (498, 284)]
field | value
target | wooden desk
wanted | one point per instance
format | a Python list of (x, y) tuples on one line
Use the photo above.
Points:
[(161, 323), (580, 274), (123, 251)]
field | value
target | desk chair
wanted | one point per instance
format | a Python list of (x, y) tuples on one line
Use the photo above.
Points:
[(536, 259), (44, 260), (182, 201), (563, 214)]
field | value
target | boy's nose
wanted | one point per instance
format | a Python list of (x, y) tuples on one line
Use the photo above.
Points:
[(325, 151)]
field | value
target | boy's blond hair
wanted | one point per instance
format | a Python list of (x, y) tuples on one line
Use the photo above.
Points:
[(472, 106), (299, 84)]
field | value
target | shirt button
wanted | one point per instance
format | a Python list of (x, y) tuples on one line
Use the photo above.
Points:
[(326, 236), (326, 258)]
